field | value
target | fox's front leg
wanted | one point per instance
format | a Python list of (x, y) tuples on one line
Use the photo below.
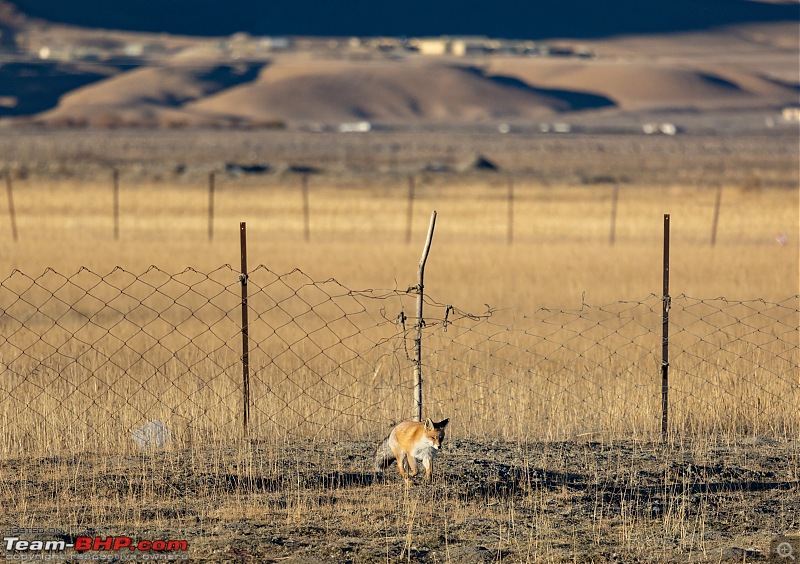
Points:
[(412, 465), (428, 464)]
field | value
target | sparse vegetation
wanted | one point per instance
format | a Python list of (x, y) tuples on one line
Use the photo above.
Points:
[(507, 488)]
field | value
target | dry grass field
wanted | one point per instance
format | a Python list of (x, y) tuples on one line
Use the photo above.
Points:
[(553, 454), (358, 214)]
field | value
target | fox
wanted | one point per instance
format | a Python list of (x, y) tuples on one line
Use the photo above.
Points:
[(409, 442)]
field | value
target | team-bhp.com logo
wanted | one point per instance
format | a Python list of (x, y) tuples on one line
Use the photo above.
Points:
[(21, 549)]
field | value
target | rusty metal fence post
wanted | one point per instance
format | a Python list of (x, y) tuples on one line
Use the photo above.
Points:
[(115, 204), (211, 177), (12, 215), (306, 211), (245, 331), (410, 208), (510, 221), (612, 236), (715, 220), (665, 299)]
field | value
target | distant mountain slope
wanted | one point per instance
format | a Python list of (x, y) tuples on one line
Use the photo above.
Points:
[(342, 90), (148, 96), (196, 82), (641, 86), (502, 18), (423, 90), (326, 91)]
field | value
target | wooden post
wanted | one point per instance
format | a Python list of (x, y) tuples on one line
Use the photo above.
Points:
[(12, 214), (666, 303), (347, 156), (421, 322), (210, 206), (306, 211), (715, 221), (245, 331), (394, 148), (410, 210), (612, 237), (510, 236), (116, 204)]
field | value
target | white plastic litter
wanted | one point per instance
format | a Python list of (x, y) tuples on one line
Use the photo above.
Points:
[(151, 435)]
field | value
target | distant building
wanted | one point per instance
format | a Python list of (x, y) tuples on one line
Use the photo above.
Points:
[(790, 113), (458, 46), (465, 46), (355, 127), (431, 46)]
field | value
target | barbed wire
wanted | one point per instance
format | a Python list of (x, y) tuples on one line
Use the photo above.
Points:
[(87, 358)]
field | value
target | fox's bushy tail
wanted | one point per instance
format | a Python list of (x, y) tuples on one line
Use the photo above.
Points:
[(383, 456)]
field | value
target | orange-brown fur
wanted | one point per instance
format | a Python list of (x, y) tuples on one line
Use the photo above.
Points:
[(409, 442)]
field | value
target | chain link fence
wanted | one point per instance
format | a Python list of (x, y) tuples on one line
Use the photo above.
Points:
[(89, 358)]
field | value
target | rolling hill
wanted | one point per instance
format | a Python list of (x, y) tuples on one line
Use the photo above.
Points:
[(191, 81)]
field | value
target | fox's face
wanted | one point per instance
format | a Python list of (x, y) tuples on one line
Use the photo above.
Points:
[(434, 432)]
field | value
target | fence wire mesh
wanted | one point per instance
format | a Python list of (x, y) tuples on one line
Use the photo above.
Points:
[(88, 359)]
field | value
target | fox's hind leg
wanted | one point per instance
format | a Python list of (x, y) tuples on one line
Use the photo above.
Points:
[(400, 457), (401, 465)]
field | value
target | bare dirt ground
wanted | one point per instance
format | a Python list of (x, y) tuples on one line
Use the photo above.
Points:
[(583, 501)]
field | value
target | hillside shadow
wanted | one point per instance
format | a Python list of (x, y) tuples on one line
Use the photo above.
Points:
[(223, 77), (793, 86), (37, 87), (571, 100)]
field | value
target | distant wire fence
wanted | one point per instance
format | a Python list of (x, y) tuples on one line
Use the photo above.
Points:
[(89, 358), (508, 202)]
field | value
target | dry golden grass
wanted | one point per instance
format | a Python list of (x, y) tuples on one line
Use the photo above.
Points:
[(357, 235), (302, 486), (561, 257)]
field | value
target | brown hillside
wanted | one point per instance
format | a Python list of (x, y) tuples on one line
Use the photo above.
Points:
[(147, 96), (636, 86), (746, 67), (346, 91)]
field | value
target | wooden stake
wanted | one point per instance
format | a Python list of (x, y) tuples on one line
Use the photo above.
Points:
[(12, 214), (421, 322)]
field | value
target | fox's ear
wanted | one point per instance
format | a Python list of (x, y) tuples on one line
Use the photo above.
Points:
[(429, 424), (441, 424)]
